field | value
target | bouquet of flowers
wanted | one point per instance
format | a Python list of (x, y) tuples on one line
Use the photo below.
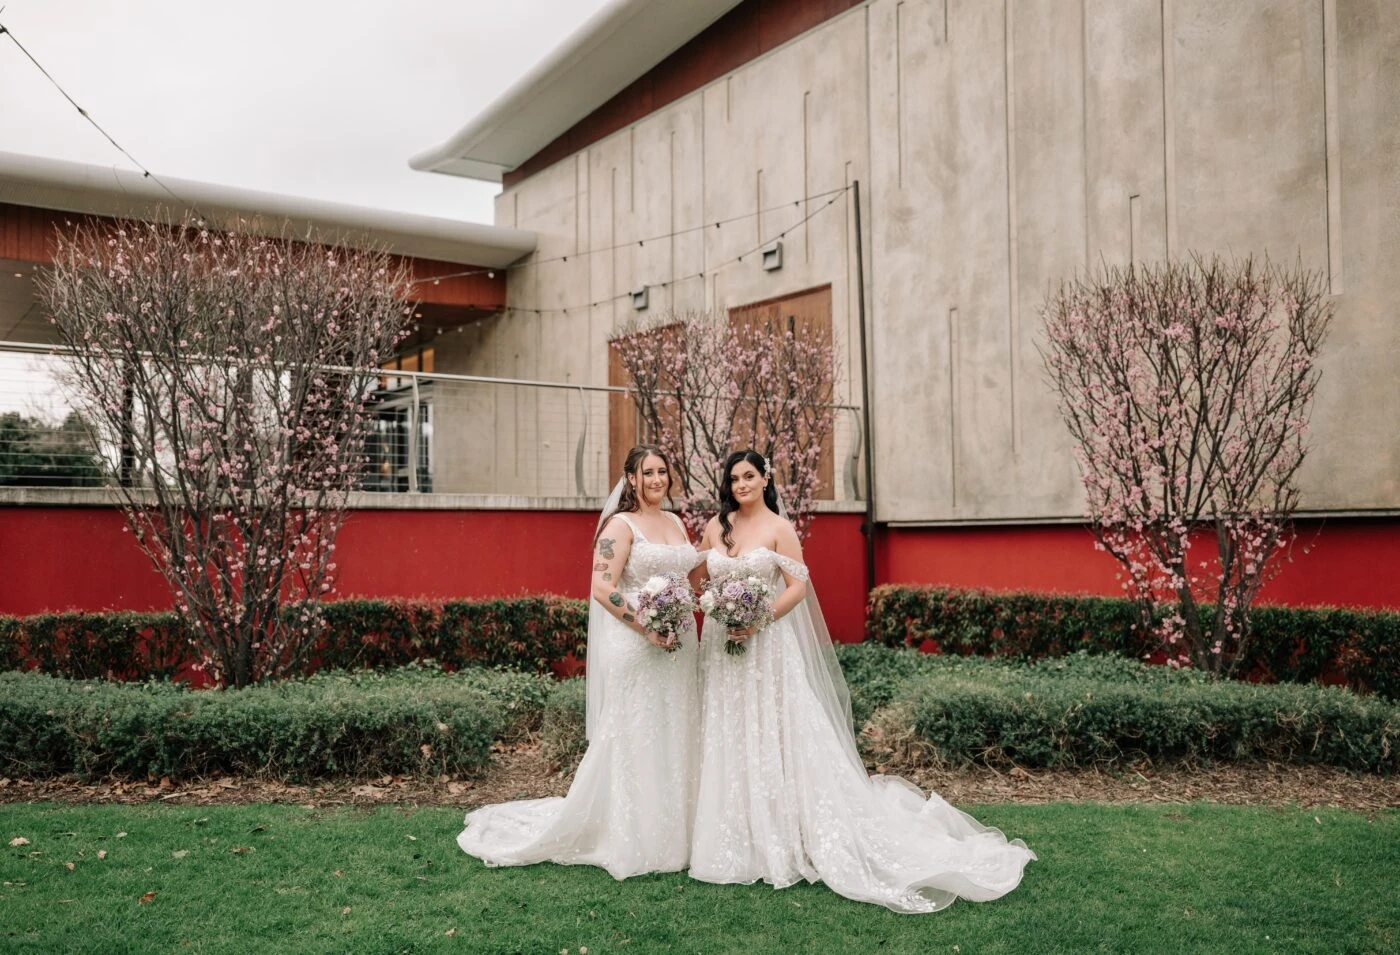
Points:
[(738, 601), (664, 604)]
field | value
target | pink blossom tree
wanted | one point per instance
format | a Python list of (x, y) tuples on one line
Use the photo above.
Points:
[(228, 372), (1186, 388), (705, 386)]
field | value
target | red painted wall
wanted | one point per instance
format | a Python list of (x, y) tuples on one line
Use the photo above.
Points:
[(79, 558), (1344, 562)]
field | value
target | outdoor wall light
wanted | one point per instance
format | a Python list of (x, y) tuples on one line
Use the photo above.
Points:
[(639, 298), (773, 256)]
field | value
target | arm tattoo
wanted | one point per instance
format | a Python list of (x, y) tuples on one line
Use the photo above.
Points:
[(605, 547), (607, 576), (629, 618), (600, 566), (615, 599)]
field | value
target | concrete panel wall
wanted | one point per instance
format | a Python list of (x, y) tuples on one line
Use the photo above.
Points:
[(1001, 146)]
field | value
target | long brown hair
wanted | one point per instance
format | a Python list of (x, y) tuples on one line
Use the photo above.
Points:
[(628, 502)]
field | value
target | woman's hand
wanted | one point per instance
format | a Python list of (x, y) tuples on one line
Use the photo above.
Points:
[(662, 641), (739, 636)]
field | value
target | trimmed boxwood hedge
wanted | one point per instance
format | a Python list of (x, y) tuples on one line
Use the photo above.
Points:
[(1080, 711), (415, 721), (1358, 648), (535, 633)]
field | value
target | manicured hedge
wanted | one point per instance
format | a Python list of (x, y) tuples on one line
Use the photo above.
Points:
[(1085, 711), (1076, 711), (531, 633), (1037, 720), (1289, 645), (415, 721)]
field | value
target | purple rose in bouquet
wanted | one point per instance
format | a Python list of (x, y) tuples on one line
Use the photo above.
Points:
[(664, 604), (739, 602)]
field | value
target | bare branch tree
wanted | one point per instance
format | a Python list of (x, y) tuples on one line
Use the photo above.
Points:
[(226, 373), (705, 387), (1186, 388)]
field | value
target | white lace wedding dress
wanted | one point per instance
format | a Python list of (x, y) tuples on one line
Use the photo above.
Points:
[(630, 807), (784, 795)]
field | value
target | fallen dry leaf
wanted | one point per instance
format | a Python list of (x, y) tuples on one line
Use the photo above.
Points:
[(345, 911), (148, 897), (68, 866), (101, 853), (450, 932), (413, 838), (338, 873), (179, 853), (242, 850), (121, 835), (19, 841)]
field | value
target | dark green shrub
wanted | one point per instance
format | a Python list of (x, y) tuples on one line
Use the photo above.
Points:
[(564, 739), (1289, 645), (1038, 719), (421, 722), (530, 633)]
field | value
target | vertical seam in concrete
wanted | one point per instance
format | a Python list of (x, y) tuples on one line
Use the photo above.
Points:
[(758, 205), (671, 272), (945, 21), (612, 253), (806, 172), (850, 290), (1084, 116), (632, 169), (704, 233), (868, 221), (1134, 223), (1169, 120), (954, 408), (592, 311), (535, 373), (1332, 154), (1012, 256), (899, 93)]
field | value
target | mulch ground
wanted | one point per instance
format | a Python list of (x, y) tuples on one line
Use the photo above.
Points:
[(521, 773)]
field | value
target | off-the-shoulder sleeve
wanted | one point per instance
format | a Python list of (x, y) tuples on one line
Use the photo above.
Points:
[(793, 567)]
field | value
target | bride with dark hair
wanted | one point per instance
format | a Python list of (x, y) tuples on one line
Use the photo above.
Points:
[(783, 794), (630, 807)]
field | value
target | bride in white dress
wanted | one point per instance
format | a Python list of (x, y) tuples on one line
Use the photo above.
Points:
[(784, 795), (630, 806)]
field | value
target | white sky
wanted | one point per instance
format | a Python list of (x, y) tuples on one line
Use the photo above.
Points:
[(303, 97)]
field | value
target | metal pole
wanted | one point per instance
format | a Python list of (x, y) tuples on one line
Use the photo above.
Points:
[(413, 439), (868, 528)]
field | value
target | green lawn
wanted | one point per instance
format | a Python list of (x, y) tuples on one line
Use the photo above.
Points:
[(274, 878)]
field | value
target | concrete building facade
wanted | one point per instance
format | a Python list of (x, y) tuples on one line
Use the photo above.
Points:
[(1000, 146)]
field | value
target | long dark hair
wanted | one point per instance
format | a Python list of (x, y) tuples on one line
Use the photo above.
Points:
[(727, 503), (628, 502)]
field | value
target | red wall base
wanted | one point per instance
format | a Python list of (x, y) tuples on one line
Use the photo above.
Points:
[(1338, 562), (79, 558)]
